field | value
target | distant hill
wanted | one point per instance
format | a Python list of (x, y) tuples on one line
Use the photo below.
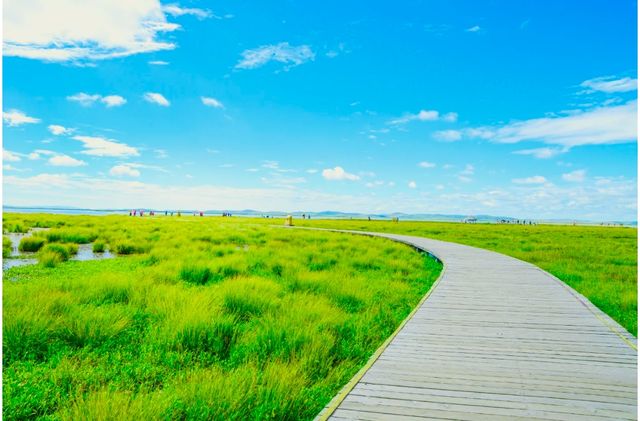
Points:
[(328, 214)]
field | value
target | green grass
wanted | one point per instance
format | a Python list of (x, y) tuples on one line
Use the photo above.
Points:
[(599, 262), (205, 318), (31, 244), (6, 246)]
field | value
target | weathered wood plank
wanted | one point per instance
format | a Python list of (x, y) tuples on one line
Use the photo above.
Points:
[(498, 339)]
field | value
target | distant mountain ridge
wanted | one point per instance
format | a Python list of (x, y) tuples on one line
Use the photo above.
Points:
[(328, 214)]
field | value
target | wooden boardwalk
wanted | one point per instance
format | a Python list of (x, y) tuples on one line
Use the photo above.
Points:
[(497, 339)]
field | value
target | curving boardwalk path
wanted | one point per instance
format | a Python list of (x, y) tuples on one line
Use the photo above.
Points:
[(498, 338)]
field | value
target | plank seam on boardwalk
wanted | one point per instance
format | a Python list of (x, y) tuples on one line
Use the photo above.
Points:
[(412, 357)]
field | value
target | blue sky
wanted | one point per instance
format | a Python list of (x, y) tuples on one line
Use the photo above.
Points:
[(526, 108)]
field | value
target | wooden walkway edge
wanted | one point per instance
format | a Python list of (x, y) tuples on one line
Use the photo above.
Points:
[(495, 339)]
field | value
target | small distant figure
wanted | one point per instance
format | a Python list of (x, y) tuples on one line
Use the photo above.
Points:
[(134, 213), (165, 213), (288, 221), (308, 216), (201, 213), (179, 214), (141, 213), (369, 218), (129, 213)]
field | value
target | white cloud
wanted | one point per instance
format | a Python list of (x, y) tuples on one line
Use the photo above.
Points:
[(113, 100), (81, 31), (425, 164), (8, 156), (448, 135), (576, 176), (161, 153), (211, 102), (15, 118), (283, 53), (156, 98), (312, 171), (58, 130), (475, 28), (450, 117), (176, 10), (338, 173), (542, 153), (597, 126), (536, 179), (100, 146), (84, 99), (412, 184), (65, 161), (124, 170), (425, 115), (159, 63), (468, 170), (610, 84)]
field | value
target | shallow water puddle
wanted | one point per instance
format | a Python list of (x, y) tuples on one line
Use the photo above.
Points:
[(85, 252)]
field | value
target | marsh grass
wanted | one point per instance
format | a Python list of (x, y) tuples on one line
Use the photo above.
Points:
[(204, 319), (31, 244), (599, 262)]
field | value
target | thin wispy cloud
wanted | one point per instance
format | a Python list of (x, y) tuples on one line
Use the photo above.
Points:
[(176, 10), (156, 98), (159, 63), (536, 179), (542, 153), (448, 135), (283, 52), (211, 102), (90, 30), (610, 84), (425, 115), (426, 164), (100, 146), (475, 28), (577, 176), (597, 126), (14, 118)]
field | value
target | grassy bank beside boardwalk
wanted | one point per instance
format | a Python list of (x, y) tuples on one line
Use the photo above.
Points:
[(599, 262), (196, 318)]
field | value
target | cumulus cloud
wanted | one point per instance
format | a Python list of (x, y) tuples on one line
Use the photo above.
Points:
[(100, 146), (87, 100), (81, 31), (211, 102), (338, 173), (412, 184), (425, 164), (8, 156), (474, 28), (58, 130), (597, 126), (15, 118), (610, 84), (113, 100), (65, 161), (156, 98), (536, 179), (577, 176), (124, 170), (290, 55)]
